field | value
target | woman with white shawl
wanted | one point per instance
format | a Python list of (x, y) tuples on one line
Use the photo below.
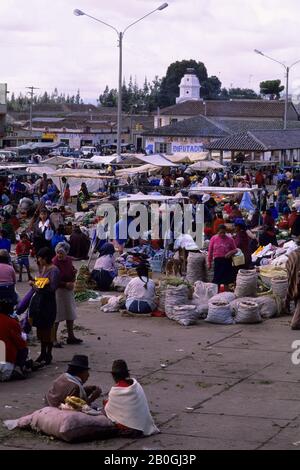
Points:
[(127, 405)]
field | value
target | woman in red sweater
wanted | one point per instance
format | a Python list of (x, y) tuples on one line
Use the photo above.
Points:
[(16, 351)]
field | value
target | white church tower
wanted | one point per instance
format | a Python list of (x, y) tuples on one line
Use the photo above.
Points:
[(189, 87)]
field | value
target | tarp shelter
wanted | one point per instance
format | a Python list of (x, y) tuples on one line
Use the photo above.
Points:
[(75, 178), (122, 173), (155, 159), (188, 158), (32, 147), (56, 161), (206, 165), (70, 173), (221, 190), (140, 197), (101, 159)]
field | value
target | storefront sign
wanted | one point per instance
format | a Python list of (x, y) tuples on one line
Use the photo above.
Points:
[(187, 148)]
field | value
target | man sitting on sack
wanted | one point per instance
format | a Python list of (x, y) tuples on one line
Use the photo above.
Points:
[(71, 384)]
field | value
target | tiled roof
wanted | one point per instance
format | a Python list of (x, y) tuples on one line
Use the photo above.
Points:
[(230, 108), (236, 126), (199, 126), (263, 140)]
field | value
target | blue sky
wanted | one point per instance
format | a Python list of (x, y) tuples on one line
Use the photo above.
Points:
[(43, 44)]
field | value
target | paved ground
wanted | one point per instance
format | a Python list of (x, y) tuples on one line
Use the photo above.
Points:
[(223, 387)]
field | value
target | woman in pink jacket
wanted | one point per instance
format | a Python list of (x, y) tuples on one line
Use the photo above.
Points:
[(220, 251)]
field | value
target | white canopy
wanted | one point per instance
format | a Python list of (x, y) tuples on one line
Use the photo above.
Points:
[(75, 178), (155, 159), (140, 197), (136, 170), (205, 165), (70, 173), (221, 190), (188, 158)]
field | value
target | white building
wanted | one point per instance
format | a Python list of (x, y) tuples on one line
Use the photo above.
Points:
[(189, 87)]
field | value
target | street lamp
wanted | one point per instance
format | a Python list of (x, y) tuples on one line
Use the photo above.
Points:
[(287, 69), (120, 44)]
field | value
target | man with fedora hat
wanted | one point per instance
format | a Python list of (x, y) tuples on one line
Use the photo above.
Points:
[(72, 383)]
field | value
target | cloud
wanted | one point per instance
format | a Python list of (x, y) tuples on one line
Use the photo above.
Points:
[(44, 44)]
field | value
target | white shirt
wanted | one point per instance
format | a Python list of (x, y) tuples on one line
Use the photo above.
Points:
[(205, 181), (136, 290), (106, 262), (43, 225)]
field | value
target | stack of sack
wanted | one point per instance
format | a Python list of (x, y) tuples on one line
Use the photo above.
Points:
[(196, 267)]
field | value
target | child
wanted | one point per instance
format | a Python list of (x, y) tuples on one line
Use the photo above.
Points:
[(5, 243), (23, 251), (67, 194), (127, 404)]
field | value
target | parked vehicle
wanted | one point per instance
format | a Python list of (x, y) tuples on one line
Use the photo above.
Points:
[(88, 151), (8, 156)]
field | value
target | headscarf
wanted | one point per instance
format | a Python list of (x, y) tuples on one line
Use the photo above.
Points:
[(107, 249), (62, 247)]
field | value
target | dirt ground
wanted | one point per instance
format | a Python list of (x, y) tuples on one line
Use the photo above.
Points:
[(209, 386)]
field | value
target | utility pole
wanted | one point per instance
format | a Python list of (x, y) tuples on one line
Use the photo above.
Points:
[(31, 93)]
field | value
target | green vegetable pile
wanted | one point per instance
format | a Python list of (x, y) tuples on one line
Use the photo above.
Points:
[(85, 295)]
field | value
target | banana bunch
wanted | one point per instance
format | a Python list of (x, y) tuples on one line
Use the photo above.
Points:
[(41, 282), (75, 402)]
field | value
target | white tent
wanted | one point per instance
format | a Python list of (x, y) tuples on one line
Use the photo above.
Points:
[(75, 178), (155, 159), (140, 197), (188, 158), (221, 190), (136, 170), (205, 165)]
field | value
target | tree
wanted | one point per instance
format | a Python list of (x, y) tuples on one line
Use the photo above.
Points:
[(242, 94), (169, 89), (271, 88), (77, 97), (211, 88)]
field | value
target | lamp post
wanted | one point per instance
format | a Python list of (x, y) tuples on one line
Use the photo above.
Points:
[(120, 45), (287, 70)]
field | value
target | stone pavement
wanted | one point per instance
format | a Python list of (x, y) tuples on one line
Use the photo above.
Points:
[(209, 386)]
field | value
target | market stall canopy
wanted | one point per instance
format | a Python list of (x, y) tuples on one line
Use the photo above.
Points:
[(221, 190), (136, 170), (188, 158), (155, 159), (75, 177), (206, 165), (56, 161), (69, 173), (140, 197), (101, 159), (33, 146)]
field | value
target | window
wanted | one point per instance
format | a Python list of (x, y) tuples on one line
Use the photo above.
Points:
[(65, 141), (161, 147), (173, 121)]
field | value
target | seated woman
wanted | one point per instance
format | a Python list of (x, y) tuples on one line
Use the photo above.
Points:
[(7, 278), (105, 269), (79, 244), (127, 404), (16, 351), (140, 292)]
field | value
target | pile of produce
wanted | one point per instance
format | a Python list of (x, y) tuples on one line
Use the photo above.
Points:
[(83, 280)]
